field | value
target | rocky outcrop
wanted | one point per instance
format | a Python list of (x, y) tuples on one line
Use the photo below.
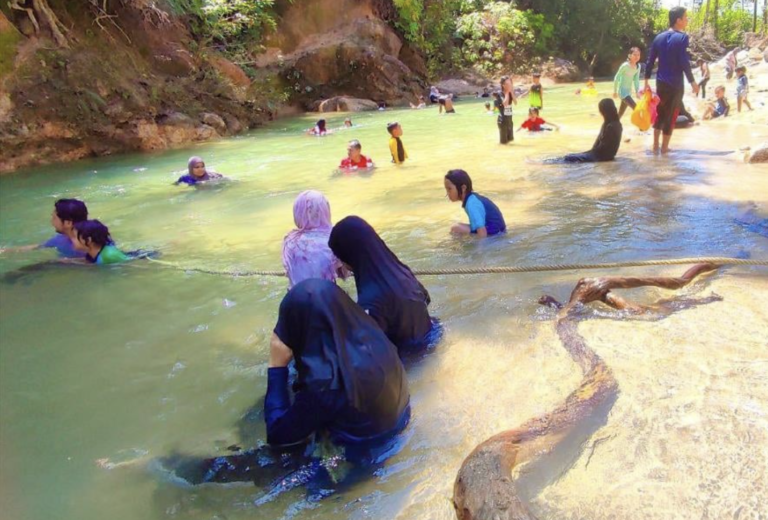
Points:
[(759, 155), (346, 51), (560, 70), (345, 104)]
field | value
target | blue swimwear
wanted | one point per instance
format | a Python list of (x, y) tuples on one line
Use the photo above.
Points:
[(191, 180), (63, 246), (484, 213)]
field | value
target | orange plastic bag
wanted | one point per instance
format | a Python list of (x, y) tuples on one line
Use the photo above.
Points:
[(641, 116)]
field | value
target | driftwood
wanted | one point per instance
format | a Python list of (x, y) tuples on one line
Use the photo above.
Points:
[(485, 488)]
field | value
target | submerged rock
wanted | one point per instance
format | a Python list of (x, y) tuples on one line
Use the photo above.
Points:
[(345, 104), (759, 154)]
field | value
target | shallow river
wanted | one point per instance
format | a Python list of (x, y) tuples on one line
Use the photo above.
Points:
[(143, 360)]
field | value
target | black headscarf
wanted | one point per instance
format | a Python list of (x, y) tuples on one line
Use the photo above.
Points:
[(386, 287), (608, 110), (336, 346)]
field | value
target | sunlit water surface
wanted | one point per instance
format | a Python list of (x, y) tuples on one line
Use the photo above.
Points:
[(144, 360)]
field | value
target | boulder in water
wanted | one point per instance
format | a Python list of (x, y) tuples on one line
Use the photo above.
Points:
[(346, 104), (759, 154), (215, 121)]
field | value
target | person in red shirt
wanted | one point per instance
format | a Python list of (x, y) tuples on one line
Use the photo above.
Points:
[(355, 159), (534, 123)]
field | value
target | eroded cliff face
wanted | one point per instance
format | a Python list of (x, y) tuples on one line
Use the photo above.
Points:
[(145, 84)]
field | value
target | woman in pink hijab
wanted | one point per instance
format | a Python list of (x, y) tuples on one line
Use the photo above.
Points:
[(305, 250)]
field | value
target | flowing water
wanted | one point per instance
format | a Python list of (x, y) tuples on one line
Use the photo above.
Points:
[(143, 360)]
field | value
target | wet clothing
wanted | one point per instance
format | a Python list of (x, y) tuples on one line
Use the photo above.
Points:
[(670, 101), (351, 382), (109, 254), (627, 78), (362, 162), (534, 125), (505, 123), (63, 245), (722, 108), (399, 155), (484, 213), (742, 86), (305, 249), (386, 288), (191, 180), (535, 97), (626, 102), (608, 141), (671, 49)]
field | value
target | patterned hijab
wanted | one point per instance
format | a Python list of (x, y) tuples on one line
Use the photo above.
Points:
[(305, 249)]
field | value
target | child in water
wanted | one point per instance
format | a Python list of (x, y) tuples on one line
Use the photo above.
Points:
[(355, 159), (720, 108), (347, 123), (591, 83), (742, 88), (93, 238), (488, 110), (399, 155), (534, 123), (536, 93), (319, 130), (197, 173), (485, 218), (447, 103), (421, 104)]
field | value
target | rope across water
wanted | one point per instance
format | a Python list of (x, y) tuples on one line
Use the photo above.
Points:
[(717, 260)]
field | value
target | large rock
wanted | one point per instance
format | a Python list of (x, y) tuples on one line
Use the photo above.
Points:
[(560, 70), (229, 70), (346, 104), (759, 154), (215, 121)]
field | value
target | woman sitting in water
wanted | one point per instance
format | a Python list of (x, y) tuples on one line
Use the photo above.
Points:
[(608, 141), (485, 219), (319, 129), (305, 249), (92, 238), (386, 288), (351, 385), (197, 173)]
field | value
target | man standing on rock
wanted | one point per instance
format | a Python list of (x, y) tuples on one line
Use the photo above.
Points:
[(671, 49)]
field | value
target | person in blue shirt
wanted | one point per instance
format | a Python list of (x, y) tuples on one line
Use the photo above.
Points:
[(66, 213), (197, 173), (670, 48), (485, 218)]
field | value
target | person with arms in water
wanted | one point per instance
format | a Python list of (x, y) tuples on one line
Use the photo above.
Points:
[(485, 218), (66, 213), (627, 80), (197, 173), (386, 288), (670, 48), (535, 123), (355, 159), (305, 249), (608, 140), (396, 147), (93, 239)]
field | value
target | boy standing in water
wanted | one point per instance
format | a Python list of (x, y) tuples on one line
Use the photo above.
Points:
[(742, 88), (536, 93), (671, 49), (627, 79), (399, 155)]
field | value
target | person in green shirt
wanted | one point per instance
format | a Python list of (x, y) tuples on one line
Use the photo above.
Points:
[(93, 238), (536, 92), (627, 78)]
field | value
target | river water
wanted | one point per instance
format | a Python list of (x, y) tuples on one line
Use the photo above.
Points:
[(142, 360)]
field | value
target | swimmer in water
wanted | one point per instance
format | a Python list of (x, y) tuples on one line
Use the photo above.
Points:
[(485, 218), (348, 123), (535, 123), (319, 129), (608, 140), (93, 238), (66, 213), (399, 155), (421, 104), (197, 173), (446, 102), (355, 159)]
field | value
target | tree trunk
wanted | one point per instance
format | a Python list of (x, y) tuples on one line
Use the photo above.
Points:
[(754, 19), (706, 14), (714, 16), (765, 17)]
